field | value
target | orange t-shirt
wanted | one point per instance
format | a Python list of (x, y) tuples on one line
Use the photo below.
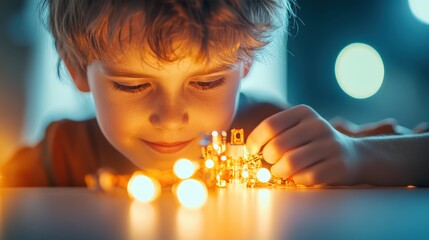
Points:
[(69, 151)]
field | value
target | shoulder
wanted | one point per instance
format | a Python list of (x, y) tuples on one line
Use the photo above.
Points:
[(71, 127), (79, 148), (68, 151), (252, 110), (70, 136)]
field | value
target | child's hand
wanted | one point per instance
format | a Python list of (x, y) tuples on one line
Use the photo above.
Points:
[(300, 143), (384, 127)]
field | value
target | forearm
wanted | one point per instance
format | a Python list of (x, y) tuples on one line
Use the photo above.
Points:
[(393, 160)]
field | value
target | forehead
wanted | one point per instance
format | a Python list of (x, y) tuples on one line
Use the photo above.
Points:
[(135, 57), (132, 67)]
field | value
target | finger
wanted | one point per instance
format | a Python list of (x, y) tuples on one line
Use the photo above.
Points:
[(386, 126), (421, 128), (300, 134), (303, 157), (344, 126), (274, 125), (384, 129)]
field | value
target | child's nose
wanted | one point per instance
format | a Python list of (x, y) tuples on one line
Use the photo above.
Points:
[(169, 115)]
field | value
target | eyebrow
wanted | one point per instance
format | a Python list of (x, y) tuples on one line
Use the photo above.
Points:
[(120, 72)]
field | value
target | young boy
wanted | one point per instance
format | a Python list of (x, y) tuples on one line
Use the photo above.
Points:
[(161, 72)]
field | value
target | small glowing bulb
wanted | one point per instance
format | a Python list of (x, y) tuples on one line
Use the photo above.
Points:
[(245, 174), (106, 179), (143, 188), (209, 163), (192, 193), (263, 175), (184, 168), (223, 158)]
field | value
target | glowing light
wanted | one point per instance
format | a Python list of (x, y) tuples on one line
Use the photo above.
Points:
[(192, 193), (359, 70), (189, 224), (143, 188), (245, 174), (263, 175), (106, 179), (264, 211), (184, 168), (223, 158), (143, 221), (420, 9), (209, 163)]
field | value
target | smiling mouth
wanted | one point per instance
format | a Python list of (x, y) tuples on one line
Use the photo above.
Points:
[(162, 147)]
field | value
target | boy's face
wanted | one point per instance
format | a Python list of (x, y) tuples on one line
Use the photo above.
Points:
[(153, 113)]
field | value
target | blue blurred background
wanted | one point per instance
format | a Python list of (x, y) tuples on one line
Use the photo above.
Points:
[(390, 28), (392, 76), (31, 95)]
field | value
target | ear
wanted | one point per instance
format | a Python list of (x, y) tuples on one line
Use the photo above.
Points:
[(79, 77), (246, 67)]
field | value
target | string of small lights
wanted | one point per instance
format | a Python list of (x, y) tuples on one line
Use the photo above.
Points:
[(222, 165)]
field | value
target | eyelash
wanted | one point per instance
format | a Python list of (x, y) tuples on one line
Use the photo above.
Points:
[(204, 86), (131, 89)]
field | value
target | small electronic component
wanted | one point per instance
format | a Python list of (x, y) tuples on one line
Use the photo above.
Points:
[(229, 163)]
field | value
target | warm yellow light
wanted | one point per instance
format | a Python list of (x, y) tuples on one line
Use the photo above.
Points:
[(143, 188), (192, 193), (190, 224), (143, 221), (209, 163), (263, 175), (184, 168), (223, 158), (245, 174), (216, 147), (106, 179)]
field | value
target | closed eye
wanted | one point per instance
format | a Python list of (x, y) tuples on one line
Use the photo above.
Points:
[(204, 86), (131, 88)]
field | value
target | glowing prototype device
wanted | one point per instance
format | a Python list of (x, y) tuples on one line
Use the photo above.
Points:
[(229, 163)]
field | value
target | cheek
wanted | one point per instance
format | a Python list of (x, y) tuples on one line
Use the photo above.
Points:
[(111, 113)]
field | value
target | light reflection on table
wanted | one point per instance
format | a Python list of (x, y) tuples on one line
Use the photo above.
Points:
[(76, 213), (228, 212)]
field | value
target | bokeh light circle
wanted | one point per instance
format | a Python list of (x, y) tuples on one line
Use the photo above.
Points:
[(359, 70), (192, 193), (263, 175), (143, 188), (184, 168), (420, 9)]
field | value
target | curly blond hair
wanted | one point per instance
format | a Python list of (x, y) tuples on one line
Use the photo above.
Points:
[(230, 30)]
